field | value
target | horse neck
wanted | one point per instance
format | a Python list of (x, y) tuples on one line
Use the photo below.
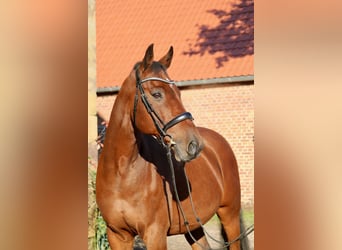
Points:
[(120, 146)]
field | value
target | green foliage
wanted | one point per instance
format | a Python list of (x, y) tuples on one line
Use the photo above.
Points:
[(101, 235), (248, 216), (97, 236)]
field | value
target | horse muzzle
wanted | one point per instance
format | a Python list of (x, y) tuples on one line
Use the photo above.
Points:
[(193, 148), (187, 152)]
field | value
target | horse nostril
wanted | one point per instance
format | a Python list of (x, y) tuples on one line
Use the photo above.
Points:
[(192, 148)]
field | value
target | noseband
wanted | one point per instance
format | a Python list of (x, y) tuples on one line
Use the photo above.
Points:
[(158, 122)]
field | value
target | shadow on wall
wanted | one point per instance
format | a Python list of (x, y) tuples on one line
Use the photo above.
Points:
[(233, 36)]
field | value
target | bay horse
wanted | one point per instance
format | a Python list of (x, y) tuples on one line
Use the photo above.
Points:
[(135, 191)]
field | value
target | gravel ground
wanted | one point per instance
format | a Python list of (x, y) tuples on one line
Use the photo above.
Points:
[(178, 242)]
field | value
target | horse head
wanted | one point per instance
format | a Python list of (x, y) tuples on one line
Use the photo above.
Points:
[(158, 109)]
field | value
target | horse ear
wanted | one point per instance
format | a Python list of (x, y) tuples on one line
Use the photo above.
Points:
[(148, 58), (166, 60)]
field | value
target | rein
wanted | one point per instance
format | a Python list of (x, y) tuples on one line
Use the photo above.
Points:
[(162, 130)]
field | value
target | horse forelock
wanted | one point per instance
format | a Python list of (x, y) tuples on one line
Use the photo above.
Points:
[(157, 67), (154, 68)]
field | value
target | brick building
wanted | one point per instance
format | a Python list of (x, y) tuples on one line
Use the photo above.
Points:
[(213, 66)]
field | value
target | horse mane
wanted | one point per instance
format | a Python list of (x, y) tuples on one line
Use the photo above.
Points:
[(136, 66)]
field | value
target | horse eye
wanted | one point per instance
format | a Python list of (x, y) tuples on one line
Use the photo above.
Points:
[(157, 95)]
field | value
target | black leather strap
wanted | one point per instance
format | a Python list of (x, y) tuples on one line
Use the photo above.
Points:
[(178, 119)]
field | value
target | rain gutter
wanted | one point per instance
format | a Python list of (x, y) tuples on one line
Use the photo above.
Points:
[(189, 83)]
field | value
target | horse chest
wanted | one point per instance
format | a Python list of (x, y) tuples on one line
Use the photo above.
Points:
[(137, 195)]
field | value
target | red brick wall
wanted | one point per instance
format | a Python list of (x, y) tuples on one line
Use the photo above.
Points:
[(227, 109)]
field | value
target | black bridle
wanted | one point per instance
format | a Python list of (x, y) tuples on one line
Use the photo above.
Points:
[(158, 122)]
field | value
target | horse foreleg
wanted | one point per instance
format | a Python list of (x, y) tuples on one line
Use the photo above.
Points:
[(154, 237), (197, 239), (122, 241), (231, 224)]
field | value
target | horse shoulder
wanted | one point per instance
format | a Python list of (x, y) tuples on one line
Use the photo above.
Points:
[(216, 145)]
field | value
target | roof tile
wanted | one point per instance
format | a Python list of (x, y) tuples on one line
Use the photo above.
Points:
[(211, 38)]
